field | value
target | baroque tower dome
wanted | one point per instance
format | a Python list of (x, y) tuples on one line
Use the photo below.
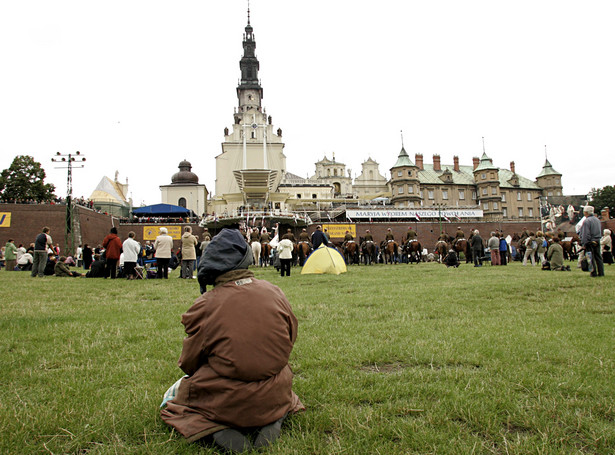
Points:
[(185, 175)]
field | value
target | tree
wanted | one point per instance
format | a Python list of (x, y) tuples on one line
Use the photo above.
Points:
[(603, 197), (25, 180)]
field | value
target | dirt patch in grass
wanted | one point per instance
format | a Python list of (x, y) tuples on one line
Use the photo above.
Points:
[(396, 367)]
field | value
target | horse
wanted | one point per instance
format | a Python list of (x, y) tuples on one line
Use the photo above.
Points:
[(265, 253), (570, 248), (351, 252), (441, 249), (463, 246), (368, 250), (303, 251), (256, 252), (414, 250), (389, 247)]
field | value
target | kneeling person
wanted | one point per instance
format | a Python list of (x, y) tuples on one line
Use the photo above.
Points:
[(239, 339)]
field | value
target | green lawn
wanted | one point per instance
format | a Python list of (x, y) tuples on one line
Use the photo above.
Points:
[(404, 359)]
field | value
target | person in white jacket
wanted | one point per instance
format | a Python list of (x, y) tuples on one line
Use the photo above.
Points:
[(131, 250), (285, 253)]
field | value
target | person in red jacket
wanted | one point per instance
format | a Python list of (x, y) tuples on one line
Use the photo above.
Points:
[(113, 248)]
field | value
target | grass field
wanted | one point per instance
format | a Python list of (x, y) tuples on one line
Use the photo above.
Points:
[(405, 359)]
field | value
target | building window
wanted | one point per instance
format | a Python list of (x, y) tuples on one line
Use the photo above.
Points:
[(503, 197), (445, 194), (410, 203), (530, 212), (483, 176), (486, 206), (474, 195), (253, 135), (430, 194), (504, 212), (492, 175), (298, 196), (409, 173), (410, 189), (314, 196), (518, 195), (462, 195), (399, 173), (520, 212), (484, 191), (529, 197), (182, 202), (400, 190), (335, 172), (494, 190), (422, 195), (550, 193), (495, 206)]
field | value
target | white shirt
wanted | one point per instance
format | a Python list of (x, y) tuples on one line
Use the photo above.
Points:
[(131, 249)]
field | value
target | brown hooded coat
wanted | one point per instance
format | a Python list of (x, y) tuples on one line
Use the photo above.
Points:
[(239, 339)]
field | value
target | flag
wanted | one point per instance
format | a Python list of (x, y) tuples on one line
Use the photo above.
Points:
[(416, 215), (446, 218), (328, 216), (349, 219), (457, 218)]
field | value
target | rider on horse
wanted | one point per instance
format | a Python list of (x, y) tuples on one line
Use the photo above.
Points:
[(410, 235), (289, 235), (459, 235), (389, 236), (305, 237), (368, 236), (347, 238)]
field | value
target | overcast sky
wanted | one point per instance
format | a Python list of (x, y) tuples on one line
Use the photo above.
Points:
[(139, 85)]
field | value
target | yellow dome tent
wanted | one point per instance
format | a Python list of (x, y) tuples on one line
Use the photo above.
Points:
[(324, 260)]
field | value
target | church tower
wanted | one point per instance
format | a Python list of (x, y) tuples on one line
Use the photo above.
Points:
[(252, 162)]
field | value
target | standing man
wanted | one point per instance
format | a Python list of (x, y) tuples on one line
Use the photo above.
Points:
[(189, 243), (494, 248), (132, 249), (41, 244), (10, 256), (318, 237), (79, 256), (478, 249), (590, 239), (113, 249), (163, 246)]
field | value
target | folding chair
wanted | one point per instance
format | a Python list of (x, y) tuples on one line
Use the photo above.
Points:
[(139, 272)]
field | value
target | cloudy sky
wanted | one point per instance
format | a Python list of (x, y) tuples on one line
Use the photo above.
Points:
[(139, 85)]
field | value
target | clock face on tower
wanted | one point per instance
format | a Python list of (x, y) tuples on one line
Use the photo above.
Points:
[(254, 125)]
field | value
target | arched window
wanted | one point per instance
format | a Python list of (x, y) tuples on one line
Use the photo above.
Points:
[(182, 202)]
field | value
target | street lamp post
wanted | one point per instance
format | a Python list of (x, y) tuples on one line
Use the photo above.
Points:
[(66, 161), (439, 205)]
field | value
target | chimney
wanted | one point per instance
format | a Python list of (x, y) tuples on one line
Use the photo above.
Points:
[(475, 161), (418, 158), (456, 163), (436, 163), (512, 167)]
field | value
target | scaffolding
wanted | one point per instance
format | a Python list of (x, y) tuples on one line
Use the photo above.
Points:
[(66, 161)]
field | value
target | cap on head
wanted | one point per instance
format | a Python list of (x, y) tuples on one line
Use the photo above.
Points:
[(227, 251)]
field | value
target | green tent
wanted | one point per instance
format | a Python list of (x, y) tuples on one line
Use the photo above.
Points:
[(324, 260)]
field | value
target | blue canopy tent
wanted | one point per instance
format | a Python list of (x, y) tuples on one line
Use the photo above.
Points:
[(162, 210)]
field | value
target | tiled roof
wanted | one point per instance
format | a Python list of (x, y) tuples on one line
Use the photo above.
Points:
[(403, 159), (465, 176), (547, 169)]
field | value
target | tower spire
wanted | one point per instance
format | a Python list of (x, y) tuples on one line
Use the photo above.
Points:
[(248, 12), (402, 138)]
